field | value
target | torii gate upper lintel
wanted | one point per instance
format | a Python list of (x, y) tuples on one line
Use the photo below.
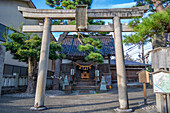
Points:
[(81, 14), (81, 10)]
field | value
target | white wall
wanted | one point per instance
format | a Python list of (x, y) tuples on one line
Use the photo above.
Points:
[(11, 17)]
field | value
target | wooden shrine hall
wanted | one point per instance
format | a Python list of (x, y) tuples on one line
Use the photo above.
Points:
[(78, 70)]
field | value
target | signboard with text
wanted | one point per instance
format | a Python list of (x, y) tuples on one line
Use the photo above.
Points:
[(161, 82)]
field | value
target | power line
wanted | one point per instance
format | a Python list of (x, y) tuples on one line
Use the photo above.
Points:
[(129, 49)]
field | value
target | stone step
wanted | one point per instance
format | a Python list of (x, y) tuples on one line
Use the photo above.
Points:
[(86, 83), (87, 88), (85, 80), (81, 92)]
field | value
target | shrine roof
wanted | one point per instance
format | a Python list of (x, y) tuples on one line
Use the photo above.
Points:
[(128, 63), (70, 45)]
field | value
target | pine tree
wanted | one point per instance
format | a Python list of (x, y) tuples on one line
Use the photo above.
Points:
[(159, 39), (157, 23), (92, 48), (67, 4), (26, 48), (153, 28)]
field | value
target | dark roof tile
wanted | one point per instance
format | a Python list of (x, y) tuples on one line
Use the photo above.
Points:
[(128, 63), (71, 49)]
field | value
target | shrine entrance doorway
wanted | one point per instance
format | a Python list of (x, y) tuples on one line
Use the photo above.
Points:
[(85, 72)]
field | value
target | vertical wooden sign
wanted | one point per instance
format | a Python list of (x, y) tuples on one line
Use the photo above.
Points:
[(144, 78), (81, 17)]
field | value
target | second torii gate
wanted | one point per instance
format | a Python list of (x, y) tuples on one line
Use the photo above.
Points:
[(81, 15)]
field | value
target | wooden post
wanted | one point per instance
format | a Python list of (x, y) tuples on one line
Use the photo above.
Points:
[(159, 99), (168, 101), (144, 93), (56, 74), (43, 66), (165, 103), (120, 65)]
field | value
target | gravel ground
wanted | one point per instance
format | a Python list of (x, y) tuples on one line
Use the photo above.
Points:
[(59, 102), (49, 93), (150, 108)]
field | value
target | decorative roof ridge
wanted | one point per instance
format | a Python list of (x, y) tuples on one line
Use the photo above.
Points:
[(106, 36)]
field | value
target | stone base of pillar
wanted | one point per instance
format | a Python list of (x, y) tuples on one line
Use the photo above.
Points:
[(38, 109), (118, 110)]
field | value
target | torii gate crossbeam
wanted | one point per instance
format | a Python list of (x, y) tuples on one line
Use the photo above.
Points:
[(81, 15)]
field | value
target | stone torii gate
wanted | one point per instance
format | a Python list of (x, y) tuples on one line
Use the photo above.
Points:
[(81, 14)]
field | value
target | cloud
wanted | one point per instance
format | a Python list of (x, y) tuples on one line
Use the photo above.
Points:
[(124, 5)]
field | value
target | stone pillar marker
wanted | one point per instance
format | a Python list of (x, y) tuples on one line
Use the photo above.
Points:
[(65, 82), (120, 67), (103, 84), (43, 66)]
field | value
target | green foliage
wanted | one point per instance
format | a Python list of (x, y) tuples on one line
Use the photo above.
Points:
[(154, 24), (168, 43), (92, 47), (149, 69), (98, 22), (56, 22), (22, 46), (67, 4), (73, 22), (150, 3), (52, 53), (94, 56)]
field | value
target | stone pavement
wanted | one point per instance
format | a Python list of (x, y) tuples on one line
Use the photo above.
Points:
[(87, 103)]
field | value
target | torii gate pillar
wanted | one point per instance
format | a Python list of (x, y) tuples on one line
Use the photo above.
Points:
[(43, 66), (120, 66)]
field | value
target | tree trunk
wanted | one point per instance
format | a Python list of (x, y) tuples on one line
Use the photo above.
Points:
[(158, 5), (143, 58), (32, 75), (56, 74), (165, 39), (158, 41)]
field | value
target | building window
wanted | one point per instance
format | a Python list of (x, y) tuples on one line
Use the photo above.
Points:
[(10, 69), (3, 30)]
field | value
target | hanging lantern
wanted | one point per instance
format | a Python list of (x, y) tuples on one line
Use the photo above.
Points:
[(72, 71)]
